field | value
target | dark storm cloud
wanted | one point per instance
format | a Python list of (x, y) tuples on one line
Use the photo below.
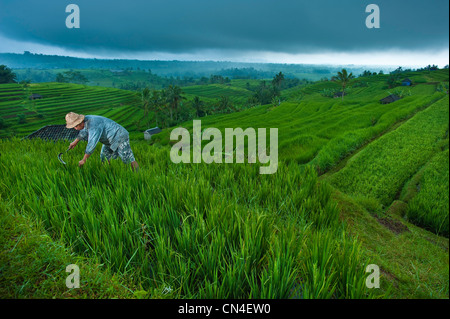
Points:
[(179, 26)]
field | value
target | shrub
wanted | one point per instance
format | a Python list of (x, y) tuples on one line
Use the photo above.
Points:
[(328, 92), (400, 92)]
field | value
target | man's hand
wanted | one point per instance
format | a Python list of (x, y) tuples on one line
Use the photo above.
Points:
[(73, 144), (82, 162)]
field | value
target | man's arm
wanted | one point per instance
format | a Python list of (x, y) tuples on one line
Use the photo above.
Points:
[(82, 135), (94, 137)]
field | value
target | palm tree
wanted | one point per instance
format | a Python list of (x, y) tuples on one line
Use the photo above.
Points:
[(344, 79), (278, 80), (145, 100), (197, 104), (276, 84), (224, 105), (156, 103), (144, 95), (174, 98)]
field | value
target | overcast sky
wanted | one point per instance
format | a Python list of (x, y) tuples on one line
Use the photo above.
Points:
[(412, 32)]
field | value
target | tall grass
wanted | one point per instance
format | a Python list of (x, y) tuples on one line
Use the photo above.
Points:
[(204, 231)]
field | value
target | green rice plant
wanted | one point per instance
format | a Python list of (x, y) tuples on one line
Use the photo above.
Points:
[(319, 281), (334, 267), (342, 145), (351, 267)]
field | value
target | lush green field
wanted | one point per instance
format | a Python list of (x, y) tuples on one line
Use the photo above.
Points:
[(224, 230), (204, 231)]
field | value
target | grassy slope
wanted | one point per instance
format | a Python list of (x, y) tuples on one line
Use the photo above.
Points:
[(414, 262), (119, 105)]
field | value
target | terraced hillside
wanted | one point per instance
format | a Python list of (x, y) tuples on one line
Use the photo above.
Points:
[(321, 131), (23, 115), (359, 182), (383, 167)]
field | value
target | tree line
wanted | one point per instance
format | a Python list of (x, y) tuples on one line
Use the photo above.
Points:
[(170, 107)]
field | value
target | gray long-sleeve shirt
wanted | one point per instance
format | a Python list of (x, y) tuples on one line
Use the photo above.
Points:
[(101, 129)]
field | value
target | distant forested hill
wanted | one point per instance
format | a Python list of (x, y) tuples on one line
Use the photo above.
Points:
[(177, 68)]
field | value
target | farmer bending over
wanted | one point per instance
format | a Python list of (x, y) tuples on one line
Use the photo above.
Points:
[(94, 129)]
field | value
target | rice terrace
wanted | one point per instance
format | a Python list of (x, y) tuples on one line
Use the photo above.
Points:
[(250, 155), (359, 183)]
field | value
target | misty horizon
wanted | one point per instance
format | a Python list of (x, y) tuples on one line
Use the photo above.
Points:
[(231, 61)]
